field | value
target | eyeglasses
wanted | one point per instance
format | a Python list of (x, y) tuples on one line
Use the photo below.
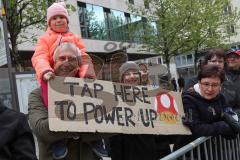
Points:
[(208, 85)]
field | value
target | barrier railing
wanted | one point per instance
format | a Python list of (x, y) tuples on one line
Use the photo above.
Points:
[(208, 148)]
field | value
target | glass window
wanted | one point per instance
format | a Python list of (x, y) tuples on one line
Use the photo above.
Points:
[(117, 25), (136, 22), (234, 47), (159, 60), (178, 60), (96, 22), (129, 1), (189, 59), (184, 61), (92, 21), (146, 4)]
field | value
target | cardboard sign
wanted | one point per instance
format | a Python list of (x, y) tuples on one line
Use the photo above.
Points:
[(83, 105)]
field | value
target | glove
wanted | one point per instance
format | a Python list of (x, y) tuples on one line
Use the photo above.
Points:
[(235, 125), (231, 112), (48, 76)]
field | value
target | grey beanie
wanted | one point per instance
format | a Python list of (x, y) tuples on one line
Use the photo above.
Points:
[(126, 66)]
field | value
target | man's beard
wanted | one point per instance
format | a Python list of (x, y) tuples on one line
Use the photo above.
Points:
[(66, 69)]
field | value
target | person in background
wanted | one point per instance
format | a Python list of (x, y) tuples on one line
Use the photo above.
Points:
[(144, 74), (132, 146), (162, 142), (174, 84), (66, 64), (206, 113), (181, 83), (232, 84), (204, 105), (213, 56), (17, 141)]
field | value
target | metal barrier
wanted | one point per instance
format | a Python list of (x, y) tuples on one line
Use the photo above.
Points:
[(208, 148)]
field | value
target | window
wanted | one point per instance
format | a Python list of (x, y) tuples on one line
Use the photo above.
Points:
[(92, 21), (101, 23), (234, 47), (231, 29), (131, 1), (136, 21), (189, 59), (184, 60), (178, 60), (159, 60), (146, 4), (117, 25), (228, 9)]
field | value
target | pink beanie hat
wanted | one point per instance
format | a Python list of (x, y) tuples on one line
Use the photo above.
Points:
[(57, 9)]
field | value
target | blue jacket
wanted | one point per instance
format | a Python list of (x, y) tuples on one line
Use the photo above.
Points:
[(203, 116)]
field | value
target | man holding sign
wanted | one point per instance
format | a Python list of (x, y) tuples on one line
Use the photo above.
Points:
[(66, 64)]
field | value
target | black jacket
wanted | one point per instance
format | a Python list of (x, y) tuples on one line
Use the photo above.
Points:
[(204, 117), (133, 147), (230, 89), (16, 141)]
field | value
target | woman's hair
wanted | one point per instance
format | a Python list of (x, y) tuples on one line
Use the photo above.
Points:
[(146, 67), (66, 47), (218, 52), (211, 70)]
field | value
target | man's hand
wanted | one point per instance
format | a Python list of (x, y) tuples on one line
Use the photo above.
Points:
[(48, 76)]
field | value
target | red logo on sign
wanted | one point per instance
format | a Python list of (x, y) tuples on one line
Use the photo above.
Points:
[(166, 103)]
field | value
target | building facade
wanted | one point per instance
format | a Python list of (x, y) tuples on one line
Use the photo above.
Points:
[(103, 26)]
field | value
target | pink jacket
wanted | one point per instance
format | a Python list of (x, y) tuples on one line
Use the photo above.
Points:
[(42, 59)]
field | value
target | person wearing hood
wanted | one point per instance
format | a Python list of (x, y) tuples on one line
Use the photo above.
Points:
[(204, 105)]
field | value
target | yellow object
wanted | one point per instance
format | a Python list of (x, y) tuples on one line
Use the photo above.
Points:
[(3, 13)]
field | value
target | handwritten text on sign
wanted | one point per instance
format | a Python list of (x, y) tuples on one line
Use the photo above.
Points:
[(80, 105)]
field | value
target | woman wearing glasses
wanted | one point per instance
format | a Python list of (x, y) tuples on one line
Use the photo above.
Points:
[(231, 85), (204, 105)]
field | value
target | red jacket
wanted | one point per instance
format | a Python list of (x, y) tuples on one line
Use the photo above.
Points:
[(42, 58)]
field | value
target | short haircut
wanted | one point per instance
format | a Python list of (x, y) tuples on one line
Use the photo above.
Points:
[(211, 70), (66, 47), (218, 52)]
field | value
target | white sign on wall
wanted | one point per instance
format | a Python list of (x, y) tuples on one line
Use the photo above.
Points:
[(3, 56), (25, 84)]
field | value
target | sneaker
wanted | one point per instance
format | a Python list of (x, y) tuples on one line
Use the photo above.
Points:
[(99, 148), (59, 150)]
